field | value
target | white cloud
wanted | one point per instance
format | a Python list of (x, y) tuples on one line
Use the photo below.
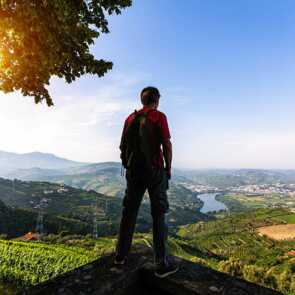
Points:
[(88, 128), (80, 127)]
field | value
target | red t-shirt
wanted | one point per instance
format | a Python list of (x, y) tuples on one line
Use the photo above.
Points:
[(160, 120)]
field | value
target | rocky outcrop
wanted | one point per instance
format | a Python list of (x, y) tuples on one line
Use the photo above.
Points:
[(101, 277)]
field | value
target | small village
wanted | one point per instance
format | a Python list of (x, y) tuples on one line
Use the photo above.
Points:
[(265, 189), (249, 189)]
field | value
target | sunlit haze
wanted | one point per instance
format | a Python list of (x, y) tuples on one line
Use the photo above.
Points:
[(226, 72)]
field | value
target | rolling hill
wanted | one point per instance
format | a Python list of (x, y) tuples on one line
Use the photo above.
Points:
[(16, 222), (102, 177), (73, 209), (12, 161), (106, 177), (230, 245), (235, 246), (68, 208)]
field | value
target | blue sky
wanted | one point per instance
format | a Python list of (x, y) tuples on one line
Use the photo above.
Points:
[(226, 70)]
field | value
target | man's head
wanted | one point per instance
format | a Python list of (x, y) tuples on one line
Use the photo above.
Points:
[(150, 97)]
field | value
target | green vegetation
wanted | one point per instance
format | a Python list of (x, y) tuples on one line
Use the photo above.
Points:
[(105, 178), (70, 209), (235, 204), (229, 245), (16, 222), (65, 208), (25, 263), (241, 202), (240, 251), (66, 29), (289, 218), (28, 263)]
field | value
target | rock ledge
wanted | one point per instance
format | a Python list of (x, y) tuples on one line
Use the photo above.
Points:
[(101, 277)]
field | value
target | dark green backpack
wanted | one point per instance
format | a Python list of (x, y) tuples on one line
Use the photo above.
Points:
[(137, 151)]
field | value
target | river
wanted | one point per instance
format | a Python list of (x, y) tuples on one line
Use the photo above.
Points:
[(210, 203)]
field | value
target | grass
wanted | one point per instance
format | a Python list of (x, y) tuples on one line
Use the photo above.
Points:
[(242, 251), (29, 263), (230, 245), (241, 202), (289, 218)]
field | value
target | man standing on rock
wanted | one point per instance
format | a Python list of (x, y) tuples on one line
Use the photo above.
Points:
[(146, 153)]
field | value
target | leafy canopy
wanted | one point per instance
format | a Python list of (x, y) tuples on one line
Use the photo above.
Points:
[(43, 38)]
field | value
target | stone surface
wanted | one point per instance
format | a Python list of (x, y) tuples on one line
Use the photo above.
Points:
[(101, 277), (199, 280)]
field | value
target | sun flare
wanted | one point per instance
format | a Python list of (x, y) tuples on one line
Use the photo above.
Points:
[(1, 60)]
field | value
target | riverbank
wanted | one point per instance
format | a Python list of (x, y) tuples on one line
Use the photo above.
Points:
[(210, 203)]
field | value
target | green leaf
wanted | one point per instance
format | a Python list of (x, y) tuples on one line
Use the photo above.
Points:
[(41, 39)]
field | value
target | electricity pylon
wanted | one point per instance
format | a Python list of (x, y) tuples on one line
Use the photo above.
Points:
[(95, 225), (40, 221)]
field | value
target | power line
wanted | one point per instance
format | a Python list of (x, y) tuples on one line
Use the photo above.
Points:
[(40, 221), (40, 218)]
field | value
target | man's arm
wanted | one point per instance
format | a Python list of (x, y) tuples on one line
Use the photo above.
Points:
[(166, 143), (167, 151), (123, 146)]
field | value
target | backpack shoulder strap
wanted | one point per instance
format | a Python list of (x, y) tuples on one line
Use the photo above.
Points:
[(137, 114)]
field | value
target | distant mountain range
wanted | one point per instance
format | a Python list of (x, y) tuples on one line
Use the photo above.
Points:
[(106, 177), (10, 162)]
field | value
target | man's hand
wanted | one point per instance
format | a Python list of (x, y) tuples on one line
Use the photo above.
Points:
[(168, 172), (167, 151)]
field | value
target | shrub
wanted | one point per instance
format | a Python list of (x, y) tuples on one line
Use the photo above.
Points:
[(253, 273), (232, 266)]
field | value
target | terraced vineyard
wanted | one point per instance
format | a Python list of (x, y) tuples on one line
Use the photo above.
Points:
[(25, 263), (242, 202), (230, 245), (238, 249)]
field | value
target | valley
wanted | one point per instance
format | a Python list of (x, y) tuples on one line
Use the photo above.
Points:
[(237, 202), (236, 221), (230, 245), (65, 208)]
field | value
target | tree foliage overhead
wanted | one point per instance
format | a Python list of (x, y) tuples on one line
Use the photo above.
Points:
[(44, 38)]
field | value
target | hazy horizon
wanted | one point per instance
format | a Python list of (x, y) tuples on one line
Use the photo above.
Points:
[(225, 71), (118, 161)]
